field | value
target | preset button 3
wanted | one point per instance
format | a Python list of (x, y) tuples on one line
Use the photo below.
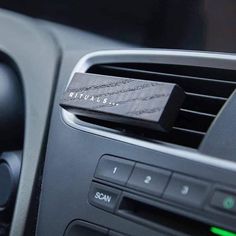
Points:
[(186, 190)]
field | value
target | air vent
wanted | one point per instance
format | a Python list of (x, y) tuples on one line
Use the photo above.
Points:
[(207, 90)]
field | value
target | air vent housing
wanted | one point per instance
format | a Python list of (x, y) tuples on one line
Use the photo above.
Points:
[(207, 90)]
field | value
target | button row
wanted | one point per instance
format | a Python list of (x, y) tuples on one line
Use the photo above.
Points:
[(156, 181), (137, 176), (173, 187)]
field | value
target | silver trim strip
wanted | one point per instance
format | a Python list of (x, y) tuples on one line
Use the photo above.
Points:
[(204, 59)]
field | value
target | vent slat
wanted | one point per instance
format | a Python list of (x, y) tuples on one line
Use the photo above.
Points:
[(194, 71), (188, 83), (189, 131), (212, 105), (181, 137), (194, 121)]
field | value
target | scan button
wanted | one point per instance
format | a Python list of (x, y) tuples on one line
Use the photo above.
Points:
[(103, 196)]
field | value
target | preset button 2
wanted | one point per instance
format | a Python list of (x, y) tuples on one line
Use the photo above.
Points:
[(149, 179)]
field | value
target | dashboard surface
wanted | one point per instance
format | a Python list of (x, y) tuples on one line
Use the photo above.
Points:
[(63, 178)]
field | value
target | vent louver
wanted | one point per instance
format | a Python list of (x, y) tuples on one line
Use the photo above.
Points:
[(207, 90)]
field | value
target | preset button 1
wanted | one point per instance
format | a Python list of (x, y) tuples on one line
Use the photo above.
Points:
[(114, 169)]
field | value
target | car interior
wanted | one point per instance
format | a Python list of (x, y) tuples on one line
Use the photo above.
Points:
[(118, 118)]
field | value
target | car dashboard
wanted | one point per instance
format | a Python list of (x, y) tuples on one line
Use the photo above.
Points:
[(87, 146)]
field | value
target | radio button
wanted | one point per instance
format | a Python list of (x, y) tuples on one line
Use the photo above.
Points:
[(149, 179), (114, 169), (103, 197), (187, 190), (224, 201)]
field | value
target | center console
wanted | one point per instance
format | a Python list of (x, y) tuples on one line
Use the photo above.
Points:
[(106, 177)]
